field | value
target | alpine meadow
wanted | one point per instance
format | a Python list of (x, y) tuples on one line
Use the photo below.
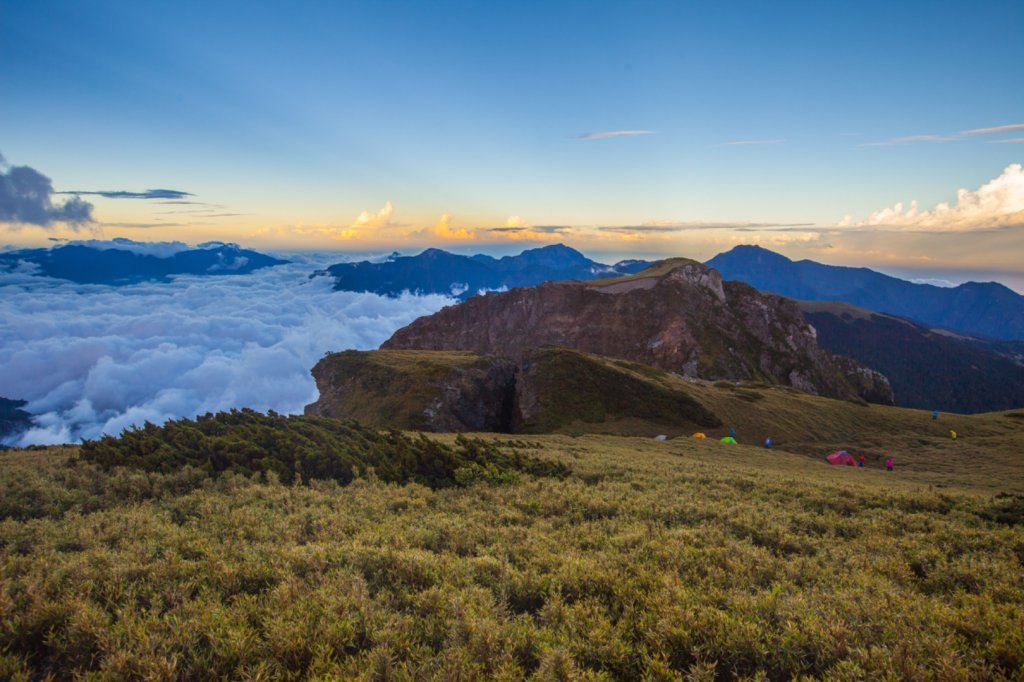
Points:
[(516, 341)]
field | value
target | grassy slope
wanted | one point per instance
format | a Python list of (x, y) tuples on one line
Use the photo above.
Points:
[(582, 391), (656, 559), (600, 395), (394, 387), (989, 449)]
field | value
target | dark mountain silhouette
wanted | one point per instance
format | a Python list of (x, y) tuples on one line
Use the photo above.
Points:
[(929, 369), (677, 316), (13, 419), (439, 272), (94, 265), (977, 308)]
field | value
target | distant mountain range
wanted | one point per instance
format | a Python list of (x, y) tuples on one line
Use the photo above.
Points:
[(928, 368), (121, 262), (976, 308), (438, 272)]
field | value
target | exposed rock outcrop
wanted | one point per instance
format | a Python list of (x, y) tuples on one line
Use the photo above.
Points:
[(547, 391), (678, 316)]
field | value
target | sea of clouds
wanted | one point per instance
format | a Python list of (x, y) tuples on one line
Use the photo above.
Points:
[(94, 360)]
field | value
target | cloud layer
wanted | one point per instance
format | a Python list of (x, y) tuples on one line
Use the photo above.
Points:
[(26, 196), (97, 359), (997, 203)]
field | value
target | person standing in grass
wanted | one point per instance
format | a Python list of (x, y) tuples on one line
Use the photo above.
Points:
[(768, 443), (860, 460), (889, 464), (935, 414), (952, 434)]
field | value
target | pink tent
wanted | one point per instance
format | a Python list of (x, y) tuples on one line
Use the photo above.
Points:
[(841, 457)]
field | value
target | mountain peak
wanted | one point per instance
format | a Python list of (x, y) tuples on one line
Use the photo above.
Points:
[(753, 251), (982, 309), (677, 316), (553, 255)]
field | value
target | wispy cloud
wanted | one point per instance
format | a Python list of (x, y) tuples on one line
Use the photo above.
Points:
[(520, 229), (540, 229), (667, 226), (949, 137), (1012, 128), (1009, 140), (123, 194), (997, 203), (740, 143), (604, 135)]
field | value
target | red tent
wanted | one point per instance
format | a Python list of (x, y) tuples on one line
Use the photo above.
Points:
[(841, 457)]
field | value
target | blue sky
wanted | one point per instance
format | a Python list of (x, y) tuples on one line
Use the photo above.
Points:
[(366, 125)]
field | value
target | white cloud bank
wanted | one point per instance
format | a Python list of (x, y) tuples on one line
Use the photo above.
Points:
[(997, 203), (96, 359)]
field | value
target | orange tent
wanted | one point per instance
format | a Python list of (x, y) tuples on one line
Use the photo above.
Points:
[(699, 435)]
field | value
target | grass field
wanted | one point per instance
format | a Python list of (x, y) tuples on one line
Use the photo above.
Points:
[(676, 560), (578, 393)]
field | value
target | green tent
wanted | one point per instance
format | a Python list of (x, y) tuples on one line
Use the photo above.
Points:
[(728, 439)]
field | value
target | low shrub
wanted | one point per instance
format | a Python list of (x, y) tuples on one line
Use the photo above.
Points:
[(299, 449)]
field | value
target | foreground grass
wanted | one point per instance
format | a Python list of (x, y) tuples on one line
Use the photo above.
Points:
[(661, 561)]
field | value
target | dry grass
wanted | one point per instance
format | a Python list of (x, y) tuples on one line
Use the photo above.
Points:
[(654, 560)]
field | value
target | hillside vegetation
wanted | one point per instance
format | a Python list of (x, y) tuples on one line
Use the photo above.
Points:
[(674, 560), (297, 449), (562, 391)]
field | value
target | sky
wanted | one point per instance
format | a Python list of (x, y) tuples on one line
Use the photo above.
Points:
[(870, 133)]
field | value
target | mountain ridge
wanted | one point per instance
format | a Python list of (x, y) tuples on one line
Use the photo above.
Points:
[(677, 316), (91, 264), (927, 368), (987, 309), (435, 271)]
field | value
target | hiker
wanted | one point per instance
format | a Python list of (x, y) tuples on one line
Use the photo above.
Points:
[(732, 431), (952, 434), (935, 414), (889, 464), (860, 460), (768, 443)]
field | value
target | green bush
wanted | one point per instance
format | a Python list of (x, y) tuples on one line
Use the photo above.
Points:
[(306, 448)]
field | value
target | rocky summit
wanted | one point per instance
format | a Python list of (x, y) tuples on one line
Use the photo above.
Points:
[(678, 316)]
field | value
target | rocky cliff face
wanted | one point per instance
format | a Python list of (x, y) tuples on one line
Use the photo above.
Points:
[(421, 391), (678, 316)]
